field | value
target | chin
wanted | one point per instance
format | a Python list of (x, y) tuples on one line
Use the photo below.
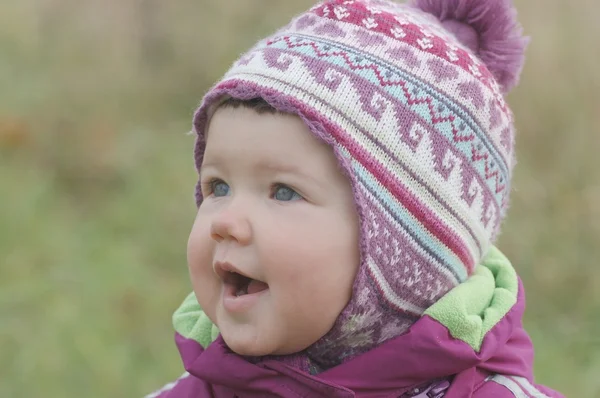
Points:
[(247, 347), (257, 350), (248, 350)]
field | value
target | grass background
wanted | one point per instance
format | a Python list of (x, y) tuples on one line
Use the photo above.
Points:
[(96, 184)]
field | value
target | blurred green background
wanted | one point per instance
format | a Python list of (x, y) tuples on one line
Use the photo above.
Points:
[(96, 184)]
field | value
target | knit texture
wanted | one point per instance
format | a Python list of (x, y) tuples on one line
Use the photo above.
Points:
[(421, 128)]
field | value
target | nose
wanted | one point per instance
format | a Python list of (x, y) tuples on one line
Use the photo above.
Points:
[(231, 224)]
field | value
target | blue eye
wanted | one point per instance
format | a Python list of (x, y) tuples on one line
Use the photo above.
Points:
[(219, 188), (285, 194)]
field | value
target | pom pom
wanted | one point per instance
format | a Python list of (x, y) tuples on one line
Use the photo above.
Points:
[(489, 28)]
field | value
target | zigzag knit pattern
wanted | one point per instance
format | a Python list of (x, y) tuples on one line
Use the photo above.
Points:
[(423, 131)]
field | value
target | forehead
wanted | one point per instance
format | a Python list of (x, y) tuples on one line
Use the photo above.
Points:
[(244, 132)]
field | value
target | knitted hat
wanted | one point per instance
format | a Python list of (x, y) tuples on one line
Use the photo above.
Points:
[(411, 99)]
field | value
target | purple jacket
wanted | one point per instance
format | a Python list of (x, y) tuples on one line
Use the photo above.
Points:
[(469, 344)]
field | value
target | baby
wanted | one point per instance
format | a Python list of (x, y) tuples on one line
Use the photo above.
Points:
[(354, 171)]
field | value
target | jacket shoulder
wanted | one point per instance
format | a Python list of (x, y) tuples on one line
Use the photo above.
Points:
[(503, 386), (187, 386)]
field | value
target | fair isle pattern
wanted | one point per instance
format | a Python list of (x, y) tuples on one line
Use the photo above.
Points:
[(421, 128), (405, 25), (389, 53), (394, 28)]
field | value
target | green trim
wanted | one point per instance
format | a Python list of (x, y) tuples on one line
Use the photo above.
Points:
[(192, 323), (473, 308)]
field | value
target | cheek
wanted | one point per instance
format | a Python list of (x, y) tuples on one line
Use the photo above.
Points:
[(199, 256), (196, 248), (312, 283), (315, 259)]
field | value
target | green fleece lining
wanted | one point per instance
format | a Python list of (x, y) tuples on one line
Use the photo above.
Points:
[(192, 323), (471, 310)]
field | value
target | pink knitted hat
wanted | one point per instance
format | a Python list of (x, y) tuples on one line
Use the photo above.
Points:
[(411, 99)]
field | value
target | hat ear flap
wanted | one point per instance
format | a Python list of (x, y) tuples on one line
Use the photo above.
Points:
[(489, 28)]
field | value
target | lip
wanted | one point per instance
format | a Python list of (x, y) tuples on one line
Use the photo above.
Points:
[(231, 302), (223, 267), (239, 304)]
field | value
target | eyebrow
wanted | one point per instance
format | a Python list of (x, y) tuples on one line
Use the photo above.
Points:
[(278, 167), (272, 167)]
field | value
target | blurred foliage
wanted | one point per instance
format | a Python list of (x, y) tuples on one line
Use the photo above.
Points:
[(96, 183)]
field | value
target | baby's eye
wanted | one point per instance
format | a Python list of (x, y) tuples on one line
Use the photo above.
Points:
[(219, 188), (285, 194)]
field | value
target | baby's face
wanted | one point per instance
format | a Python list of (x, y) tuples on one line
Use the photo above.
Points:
[(274, 248)]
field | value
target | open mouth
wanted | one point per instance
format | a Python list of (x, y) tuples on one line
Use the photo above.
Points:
[(243, 285)]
